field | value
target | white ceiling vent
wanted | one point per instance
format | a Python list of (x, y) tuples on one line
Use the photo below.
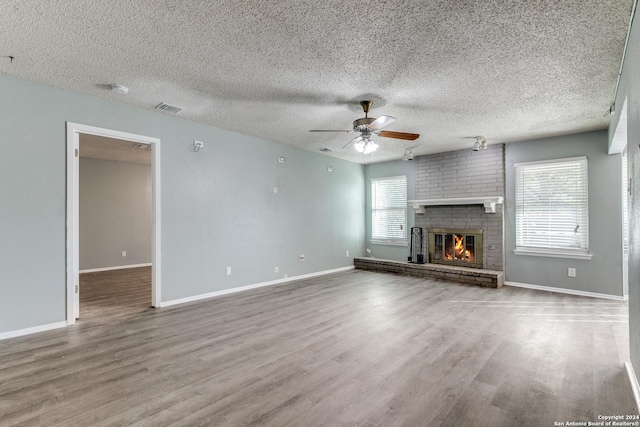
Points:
[(168, 108)]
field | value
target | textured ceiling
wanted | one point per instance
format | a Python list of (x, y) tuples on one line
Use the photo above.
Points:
[(448, 70)]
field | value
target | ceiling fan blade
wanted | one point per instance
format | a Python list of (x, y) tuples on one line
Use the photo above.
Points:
[(399, 135), (381, 122), (353, 141), (331, 130)]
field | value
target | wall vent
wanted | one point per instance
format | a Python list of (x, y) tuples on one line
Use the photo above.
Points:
[(325, 150), (168, 108)]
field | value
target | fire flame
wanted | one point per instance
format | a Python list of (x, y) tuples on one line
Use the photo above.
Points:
[(459, 249)]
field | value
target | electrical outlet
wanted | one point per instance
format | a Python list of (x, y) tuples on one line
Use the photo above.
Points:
[(346, 254), (228, 271), (571, 272), (301, 257), (124, 253), (276, 269)]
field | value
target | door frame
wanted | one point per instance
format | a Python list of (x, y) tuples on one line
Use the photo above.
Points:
[(73, 212)]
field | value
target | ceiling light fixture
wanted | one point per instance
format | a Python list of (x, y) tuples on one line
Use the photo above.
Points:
[(119, 89), (480, 144), (408, 155)]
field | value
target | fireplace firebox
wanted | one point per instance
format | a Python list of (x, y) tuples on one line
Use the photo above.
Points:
[(455, 247)]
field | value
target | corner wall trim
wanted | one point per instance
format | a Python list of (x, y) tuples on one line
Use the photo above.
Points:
[(117, 267), (34, 330), (634, 383), (565, 291), (254, 286)]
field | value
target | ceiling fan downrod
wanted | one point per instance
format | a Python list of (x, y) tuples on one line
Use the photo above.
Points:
[(362, 124), (366, 106)]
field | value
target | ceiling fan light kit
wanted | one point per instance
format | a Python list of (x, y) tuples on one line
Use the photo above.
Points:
[(368, 127), (366, 146)]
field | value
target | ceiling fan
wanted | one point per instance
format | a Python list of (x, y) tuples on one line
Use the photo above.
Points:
[(369, 126)]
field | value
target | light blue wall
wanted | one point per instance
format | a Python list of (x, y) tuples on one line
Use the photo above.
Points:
[(218, 208), (630, 89), (383, 170), (603, 273)]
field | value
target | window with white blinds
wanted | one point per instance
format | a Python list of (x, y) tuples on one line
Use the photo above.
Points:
[(389, 210), (552, 211)]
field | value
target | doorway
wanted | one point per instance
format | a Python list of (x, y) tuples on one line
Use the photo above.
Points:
[(74, 131)]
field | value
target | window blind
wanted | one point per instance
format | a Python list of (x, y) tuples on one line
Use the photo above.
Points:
[(552, 209), (389, 209)]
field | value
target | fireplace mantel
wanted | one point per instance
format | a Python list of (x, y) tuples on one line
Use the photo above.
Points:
[(489, 203)]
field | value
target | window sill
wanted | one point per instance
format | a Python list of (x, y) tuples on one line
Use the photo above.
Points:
[(551, 254), (389, 242)]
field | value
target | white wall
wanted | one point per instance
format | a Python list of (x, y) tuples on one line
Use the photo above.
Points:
[(115, 213), (218, 208)]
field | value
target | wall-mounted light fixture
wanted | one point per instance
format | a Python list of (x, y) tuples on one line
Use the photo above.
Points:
[(480, 144)]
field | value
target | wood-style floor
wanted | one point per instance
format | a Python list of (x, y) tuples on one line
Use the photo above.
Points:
[(352, 349)]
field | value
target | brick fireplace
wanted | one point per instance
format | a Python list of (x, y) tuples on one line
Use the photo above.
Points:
[(458, 196), (463, 191)]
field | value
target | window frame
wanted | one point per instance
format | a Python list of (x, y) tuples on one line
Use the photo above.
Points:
[(552, 251), (392, 241)]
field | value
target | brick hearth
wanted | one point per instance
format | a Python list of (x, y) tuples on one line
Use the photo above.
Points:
[(473, 276)]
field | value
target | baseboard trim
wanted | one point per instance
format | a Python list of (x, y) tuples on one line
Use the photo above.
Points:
[(34, 330), (254, 286), (634, 383), (565, 291), (117, 267)]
